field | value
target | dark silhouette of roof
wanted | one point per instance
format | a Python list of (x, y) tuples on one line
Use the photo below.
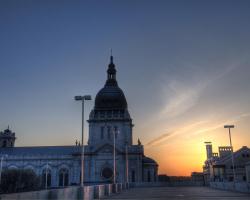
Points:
[(147, 160), (40, 150)]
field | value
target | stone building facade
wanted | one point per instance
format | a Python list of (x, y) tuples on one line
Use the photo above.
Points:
[(248, 171), (110, 128), (7, 138), (219, 168)]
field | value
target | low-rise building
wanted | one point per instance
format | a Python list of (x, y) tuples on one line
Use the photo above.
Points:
[(248, 171), (197, 176), (220, 167)]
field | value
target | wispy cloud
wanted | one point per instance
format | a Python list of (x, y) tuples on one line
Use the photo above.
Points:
[(234, 119), (183, 96), (162, 138), (193, 129), (159, 139)]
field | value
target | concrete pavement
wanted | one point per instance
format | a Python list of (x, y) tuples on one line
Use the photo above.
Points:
[(183, 193)]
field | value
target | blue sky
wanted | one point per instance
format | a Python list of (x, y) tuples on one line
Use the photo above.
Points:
[(183, 66)]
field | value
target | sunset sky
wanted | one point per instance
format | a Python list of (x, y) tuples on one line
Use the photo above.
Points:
[(184, 67)]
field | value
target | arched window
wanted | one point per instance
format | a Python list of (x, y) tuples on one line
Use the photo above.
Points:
[(4, 143), (115, 113), (133, 176), (46, 178), (63, 177), (109, 113), (121, 113), (102, 132), (109, 132), (149, 176), (116, 131), (12, 167)]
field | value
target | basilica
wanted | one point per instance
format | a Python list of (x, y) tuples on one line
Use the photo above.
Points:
[(110, 139)]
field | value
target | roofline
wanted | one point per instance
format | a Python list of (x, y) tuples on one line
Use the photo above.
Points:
[(227, 157)]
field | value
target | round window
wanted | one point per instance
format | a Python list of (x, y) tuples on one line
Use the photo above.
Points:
[(107, 173)]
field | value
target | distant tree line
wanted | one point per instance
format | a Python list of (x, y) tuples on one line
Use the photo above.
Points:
[(19, 180)]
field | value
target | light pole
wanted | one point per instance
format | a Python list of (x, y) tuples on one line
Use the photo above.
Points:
[(1, 166), (229, 129), (126, 162), (46, 177), (63, 176), (114, 157), (115, 132), (82, 98)]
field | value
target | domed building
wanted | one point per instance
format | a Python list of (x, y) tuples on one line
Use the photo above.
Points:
[(110, 121), (109, 156)]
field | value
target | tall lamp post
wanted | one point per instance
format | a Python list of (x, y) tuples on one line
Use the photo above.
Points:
[(126, 161), (1, 166), (115, 132), (46, 177), (229, 129), (82, 98)]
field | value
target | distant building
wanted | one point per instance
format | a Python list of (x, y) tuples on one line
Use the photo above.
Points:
[(7, 138), (197, 176), (109, 118), (248, 171), (163, 178), (219, 167)]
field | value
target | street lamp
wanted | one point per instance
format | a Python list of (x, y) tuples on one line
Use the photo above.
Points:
[(126, 161), (46, 177), (1, 166), (115, 132), (82, 98), (229, 129)]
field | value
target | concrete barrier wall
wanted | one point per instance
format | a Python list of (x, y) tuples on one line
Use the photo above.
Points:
[(76, 192), (64, 193), (108, 189), (114, 188), (88, 193), (167, 184), (99, 191), (119, 187), (237, 186)]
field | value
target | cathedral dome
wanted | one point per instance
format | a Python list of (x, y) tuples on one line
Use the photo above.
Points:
[(110, 96)]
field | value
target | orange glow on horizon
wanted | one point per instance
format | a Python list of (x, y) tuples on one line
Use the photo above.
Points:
[(185, 153)]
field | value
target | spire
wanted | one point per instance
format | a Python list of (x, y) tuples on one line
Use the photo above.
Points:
[(111, 72), (111, 57)]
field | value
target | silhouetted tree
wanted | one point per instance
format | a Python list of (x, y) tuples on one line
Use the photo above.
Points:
[(19, 180)]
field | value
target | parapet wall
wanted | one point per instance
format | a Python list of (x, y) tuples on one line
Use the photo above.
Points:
[(237, 186), (93, 191), (76, 192), (167, 184)]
